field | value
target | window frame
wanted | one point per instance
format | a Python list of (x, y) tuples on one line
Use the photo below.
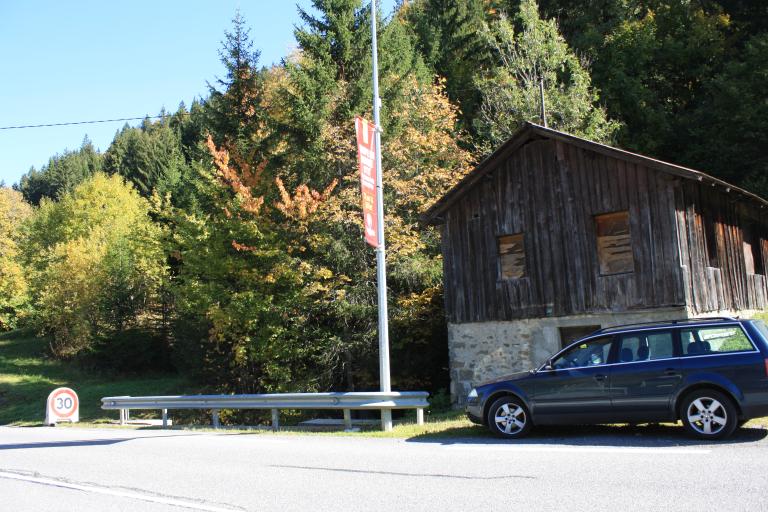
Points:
[(596, 219), (715, 354), (609, 360), (676, 348)]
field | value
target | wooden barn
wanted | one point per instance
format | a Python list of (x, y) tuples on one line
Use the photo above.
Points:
[(554, 236)]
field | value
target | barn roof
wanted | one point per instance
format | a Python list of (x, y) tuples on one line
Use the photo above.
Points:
[(531, 131)]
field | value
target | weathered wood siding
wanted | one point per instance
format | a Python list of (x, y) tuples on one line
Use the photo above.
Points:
[(550, 191), (727, 287)]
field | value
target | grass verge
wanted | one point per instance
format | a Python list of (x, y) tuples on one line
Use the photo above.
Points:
[(27, 376)]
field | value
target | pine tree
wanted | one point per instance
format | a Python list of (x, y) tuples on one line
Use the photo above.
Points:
[(331, 81), (62, 173), (149, 157), (233, 113), (449, 38)]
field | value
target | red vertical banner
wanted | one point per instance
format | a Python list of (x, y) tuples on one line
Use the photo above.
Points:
[(366, 159)]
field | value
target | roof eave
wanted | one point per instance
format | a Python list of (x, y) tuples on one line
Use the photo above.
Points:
[(434, 214)]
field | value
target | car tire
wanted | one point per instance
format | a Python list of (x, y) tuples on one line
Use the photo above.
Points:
[(509, 418), (708, 414)]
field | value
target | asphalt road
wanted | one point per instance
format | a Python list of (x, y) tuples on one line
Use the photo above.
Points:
[(70, 469)]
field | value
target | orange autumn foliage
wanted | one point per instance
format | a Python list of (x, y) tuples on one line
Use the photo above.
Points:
[(242, 177), (304, 202)]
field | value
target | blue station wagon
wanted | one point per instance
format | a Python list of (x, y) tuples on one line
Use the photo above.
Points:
[(712, 374)]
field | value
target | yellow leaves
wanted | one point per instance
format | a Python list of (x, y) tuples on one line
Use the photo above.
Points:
[(13, 278), (13, 211), (338, 142), (419, 301), (425, 160)]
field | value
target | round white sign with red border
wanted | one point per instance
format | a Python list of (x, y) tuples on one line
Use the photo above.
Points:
[(62, 405)]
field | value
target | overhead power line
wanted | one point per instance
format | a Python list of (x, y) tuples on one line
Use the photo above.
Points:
[(86, 122)]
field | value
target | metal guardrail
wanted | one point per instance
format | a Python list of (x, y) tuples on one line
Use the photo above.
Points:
[(344, 401)]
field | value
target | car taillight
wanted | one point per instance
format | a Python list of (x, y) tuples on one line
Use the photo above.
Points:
[(766, 367)]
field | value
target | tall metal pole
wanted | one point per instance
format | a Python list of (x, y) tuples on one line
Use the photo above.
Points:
[(381, 269), (543, 105)]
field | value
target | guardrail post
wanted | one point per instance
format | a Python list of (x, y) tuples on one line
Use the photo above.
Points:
[(275, 419), (165, 418), (420, 416), (386, 420), (123, 416), (347, 419), (215, 418)]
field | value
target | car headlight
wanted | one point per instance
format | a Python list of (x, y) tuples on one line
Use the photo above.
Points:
[(472, 394)]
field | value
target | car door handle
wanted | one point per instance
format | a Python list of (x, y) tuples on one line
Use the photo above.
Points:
[(671, 372), (600, 377)]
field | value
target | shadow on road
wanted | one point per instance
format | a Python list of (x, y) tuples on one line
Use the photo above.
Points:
[(658, 436), (399, 473), (75, 443)]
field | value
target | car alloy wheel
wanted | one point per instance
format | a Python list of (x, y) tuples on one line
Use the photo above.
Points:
[(708, 414), (507, 417)]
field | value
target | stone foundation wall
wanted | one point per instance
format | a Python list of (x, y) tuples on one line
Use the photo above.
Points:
[(483, 351)]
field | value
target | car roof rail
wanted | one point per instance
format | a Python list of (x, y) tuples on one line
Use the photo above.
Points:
[(665, 323)]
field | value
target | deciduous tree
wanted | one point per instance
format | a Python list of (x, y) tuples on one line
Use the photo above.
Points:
[(511, 90)]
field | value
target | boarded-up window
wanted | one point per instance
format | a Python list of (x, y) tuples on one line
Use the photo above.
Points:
[(614, 243), (753, 257), (512, 256)]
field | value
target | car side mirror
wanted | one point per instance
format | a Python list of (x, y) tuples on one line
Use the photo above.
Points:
[(548, 365)]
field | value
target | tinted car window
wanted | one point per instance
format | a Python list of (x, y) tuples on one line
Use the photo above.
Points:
[(646, 346), (590, 353), (714, 340), (761, 327)]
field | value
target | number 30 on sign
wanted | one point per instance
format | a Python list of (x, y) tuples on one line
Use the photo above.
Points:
[(62, 405)]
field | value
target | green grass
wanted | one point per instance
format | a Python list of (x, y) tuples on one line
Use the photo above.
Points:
[(436, 425), (452, 424), (27, 376)]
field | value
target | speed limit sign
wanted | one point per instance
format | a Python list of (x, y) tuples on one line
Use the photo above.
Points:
[(62, 405)]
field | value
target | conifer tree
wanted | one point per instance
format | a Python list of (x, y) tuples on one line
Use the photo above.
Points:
[(62, 173), (233, 114), (448, 35), (150, 157)]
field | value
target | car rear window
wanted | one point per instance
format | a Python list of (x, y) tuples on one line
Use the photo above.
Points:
[(714, 340), (760, 325)]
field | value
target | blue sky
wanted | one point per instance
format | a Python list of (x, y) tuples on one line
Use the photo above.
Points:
[(87, 60)]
